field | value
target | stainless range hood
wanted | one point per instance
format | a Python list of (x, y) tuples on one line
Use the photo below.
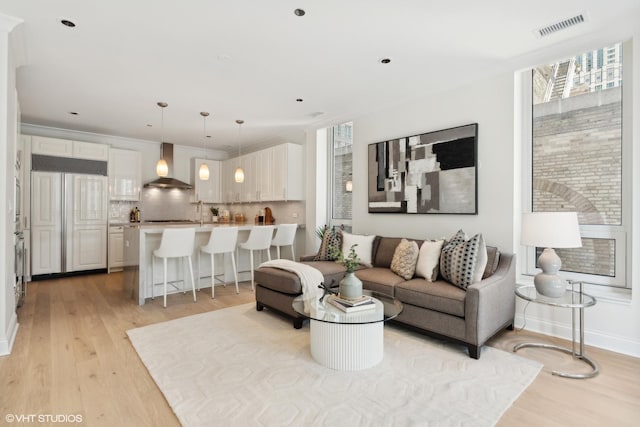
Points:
[(168, 182)]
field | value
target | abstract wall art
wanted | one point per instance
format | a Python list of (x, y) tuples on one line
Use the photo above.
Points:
[(430, 173)]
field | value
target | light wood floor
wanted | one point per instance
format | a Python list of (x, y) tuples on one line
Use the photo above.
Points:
[(72, 356)]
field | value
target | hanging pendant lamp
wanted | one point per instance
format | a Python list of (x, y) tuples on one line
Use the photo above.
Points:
[(162, 169), (239, 173), (203, 173)]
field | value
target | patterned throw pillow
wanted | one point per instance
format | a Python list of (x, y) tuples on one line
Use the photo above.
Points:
[(405, 258), (462, 262), (332, 238)]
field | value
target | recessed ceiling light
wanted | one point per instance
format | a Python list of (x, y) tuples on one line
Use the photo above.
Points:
[(149, 125), (208, 136), (73, 113), (299, 100), (67, 23), (385, 60), (299, 12)]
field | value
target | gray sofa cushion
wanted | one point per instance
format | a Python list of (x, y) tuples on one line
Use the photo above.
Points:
[(379, 279), (386, 247), (439, 296), (289, 283)]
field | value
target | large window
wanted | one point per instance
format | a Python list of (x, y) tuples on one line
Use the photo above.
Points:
[(340, 173), (576, 161)]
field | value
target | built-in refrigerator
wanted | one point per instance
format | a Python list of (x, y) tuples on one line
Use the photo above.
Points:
[(68, 222)]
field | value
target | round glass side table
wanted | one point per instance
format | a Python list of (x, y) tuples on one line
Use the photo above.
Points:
[(577, 301)]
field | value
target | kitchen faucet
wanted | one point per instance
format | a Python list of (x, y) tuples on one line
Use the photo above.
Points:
[(201, 208)]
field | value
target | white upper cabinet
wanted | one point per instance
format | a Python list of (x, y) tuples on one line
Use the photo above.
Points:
[(274, 174), (51, 146), (125, 174), (90, 151), (67, 148), (206, 191)]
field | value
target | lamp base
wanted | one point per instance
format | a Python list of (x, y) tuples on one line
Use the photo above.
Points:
[(550, 285)]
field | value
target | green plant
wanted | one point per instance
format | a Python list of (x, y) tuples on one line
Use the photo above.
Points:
[(320, 231), (214, 211), (350, 262)]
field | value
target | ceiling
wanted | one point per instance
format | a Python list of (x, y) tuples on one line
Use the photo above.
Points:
[(252, 59)]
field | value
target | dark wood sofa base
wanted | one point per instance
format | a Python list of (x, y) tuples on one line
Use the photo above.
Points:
[(474, 350)]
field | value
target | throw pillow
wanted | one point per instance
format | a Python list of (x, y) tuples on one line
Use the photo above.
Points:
[(429, 260), (462, 262), (405, 258), (363, 249), (493, 258), (332, 238)]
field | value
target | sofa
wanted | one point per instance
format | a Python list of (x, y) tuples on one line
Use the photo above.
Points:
[(437, 308)]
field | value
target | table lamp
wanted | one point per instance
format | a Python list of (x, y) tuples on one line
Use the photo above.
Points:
[(550, 230)]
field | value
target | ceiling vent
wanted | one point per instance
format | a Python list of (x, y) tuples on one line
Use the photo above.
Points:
[(559, 26)]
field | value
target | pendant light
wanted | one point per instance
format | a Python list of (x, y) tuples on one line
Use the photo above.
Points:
[(203, 173), (162, 169), (239, 174)]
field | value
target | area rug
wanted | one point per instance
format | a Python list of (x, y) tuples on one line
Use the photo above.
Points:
[(240, 367)]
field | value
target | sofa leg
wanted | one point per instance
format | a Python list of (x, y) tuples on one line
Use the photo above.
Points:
[(474, 351), (510, 327), (259, 306), (297, 323)]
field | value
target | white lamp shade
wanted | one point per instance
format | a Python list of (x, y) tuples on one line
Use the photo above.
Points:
[(239, 175), (162, 169), (551, 230), (203, 173)]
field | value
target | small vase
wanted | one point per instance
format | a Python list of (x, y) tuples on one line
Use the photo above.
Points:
[(350, 287)]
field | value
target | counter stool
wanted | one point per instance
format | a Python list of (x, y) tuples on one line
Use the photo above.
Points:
[(175, 243), (259, 240), (221, 241), (285, 236)]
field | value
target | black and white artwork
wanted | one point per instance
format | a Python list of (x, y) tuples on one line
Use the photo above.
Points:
[(430, 173)]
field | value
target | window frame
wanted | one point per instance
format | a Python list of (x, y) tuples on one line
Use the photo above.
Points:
[(332, 219), (621, 234)]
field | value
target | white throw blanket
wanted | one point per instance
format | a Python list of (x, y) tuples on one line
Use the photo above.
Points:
[(310, 278)]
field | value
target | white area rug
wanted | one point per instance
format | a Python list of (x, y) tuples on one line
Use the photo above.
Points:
[(241, 367)]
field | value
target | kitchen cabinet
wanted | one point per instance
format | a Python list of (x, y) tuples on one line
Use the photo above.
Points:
[(206, 191), (125, 174), (116, 248), (66, 148), (273, 174)]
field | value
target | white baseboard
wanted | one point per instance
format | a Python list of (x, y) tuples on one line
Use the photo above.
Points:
[(6, 344), (593, 338)]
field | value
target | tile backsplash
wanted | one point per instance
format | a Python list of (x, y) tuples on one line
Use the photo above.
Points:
[(159, 204)]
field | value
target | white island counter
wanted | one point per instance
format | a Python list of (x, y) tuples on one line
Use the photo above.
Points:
[(140, 240)]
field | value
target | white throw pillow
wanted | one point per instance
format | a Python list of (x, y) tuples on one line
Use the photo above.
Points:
[(429, 260), (364, 248)]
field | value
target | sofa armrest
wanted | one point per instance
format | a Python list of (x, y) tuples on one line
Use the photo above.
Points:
[(490, 304)]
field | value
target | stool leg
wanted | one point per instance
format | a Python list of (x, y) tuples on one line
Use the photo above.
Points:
[(213, 277), (153, 263), (193, 283), (277, 251), (164, 265), (251, 267), (198, 268), (269, 254), (235, 271)]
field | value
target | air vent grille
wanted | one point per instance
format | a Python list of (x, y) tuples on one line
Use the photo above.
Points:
[(559, 26)]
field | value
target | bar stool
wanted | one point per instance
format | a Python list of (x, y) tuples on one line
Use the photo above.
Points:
[(221, 241), (175, 243), (285, 236), (259, 240)]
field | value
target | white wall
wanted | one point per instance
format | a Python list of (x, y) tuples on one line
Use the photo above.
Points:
[(488, 103), (8, 133)]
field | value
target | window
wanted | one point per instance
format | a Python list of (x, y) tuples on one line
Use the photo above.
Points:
[(340, 173), (576, 164)]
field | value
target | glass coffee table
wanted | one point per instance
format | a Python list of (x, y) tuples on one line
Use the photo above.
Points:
[(348, 341)]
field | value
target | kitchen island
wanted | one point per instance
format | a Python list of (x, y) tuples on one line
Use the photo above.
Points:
[(140, 240)]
